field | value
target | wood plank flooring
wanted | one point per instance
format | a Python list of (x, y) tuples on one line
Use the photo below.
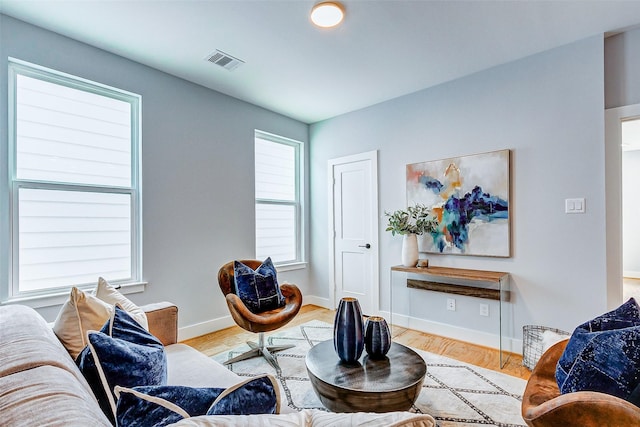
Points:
[(229, 338)]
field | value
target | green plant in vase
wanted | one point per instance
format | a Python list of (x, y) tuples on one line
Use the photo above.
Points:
[(410, 222), (415, 219)]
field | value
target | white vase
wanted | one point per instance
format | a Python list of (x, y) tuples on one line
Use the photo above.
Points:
[(409, 250)]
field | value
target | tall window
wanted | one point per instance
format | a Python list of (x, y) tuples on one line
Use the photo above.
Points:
[(278, 206), (74, 173)]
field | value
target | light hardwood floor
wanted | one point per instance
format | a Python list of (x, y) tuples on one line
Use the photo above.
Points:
[(229, 338)]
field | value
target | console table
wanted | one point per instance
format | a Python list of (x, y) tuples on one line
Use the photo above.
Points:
[(493, 285)]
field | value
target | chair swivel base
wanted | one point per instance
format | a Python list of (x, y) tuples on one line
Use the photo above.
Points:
[(259, 349)]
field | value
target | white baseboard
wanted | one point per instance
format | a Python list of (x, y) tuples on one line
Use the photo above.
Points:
[(631, 274), (203, 328), (314, 300), (473, 336), (213, 325)]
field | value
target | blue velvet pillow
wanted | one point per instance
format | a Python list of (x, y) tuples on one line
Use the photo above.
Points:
[(604, 355), (258, 395), (258, 289), (162, 405), (123, 353)]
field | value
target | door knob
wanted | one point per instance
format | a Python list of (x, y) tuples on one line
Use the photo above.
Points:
[(368, 246)]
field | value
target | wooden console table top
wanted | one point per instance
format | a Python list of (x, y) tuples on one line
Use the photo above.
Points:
[(456, 273)]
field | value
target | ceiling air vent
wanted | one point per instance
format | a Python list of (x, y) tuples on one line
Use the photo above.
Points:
[(224, 60)]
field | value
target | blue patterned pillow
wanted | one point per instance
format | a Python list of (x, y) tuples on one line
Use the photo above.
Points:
[(604, 355), (123, 353), (163, 405), (258, 289)]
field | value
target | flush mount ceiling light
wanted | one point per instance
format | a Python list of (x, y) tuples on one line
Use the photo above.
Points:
[(327, 14)]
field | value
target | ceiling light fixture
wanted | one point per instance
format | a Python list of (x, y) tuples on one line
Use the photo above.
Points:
[(327, 14)]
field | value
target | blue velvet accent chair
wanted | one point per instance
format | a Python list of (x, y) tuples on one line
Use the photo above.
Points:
[(258, 322)]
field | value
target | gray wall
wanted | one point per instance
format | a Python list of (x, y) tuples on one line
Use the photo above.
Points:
[(622, 68), (548, 109), (197, 172)]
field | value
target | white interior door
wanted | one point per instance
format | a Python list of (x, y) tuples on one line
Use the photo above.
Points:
[(354, 230)]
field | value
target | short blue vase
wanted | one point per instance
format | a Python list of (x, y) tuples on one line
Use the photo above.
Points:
[(348, 330), (377, 337)]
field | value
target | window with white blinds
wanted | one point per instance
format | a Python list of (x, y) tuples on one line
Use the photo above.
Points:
[(75, 181), (278, 206)]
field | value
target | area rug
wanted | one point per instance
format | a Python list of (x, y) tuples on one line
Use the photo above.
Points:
[(454, 393)]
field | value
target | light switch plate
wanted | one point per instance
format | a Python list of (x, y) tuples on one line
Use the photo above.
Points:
[(574, 206)]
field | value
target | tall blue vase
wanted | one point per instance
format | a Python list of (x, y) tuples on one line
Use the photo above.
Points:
[(377, 337), (348, 330)]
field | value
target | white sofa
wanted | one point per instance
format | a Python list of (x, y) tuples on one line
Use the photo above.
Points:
[(40, 384)]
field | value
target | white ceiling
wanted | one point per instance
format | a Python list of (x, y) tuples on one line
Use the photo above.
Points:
[(382, 50)]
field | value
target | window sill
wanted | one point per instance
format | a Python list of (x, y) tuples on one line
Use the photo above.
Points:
[(291, 266), (60, 297)]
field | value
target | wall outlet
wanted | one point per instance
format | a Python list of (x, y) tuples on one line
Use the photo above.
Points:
[(451, 304), (484, 310)]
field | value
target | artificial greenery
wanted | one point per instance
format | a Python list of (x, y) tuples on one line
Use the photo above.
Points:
[(414, 220)]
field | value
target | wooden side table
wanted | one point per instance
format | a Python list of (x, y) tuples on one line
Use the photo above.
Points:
[(390, 384)]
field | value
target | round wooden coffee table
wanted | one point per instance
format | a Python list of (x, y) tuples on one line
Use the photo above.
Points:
[(390, 384)]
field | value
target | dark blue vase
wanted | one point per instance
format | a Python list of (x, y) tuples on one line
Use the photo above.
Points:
[(377, 337), (348, 330)]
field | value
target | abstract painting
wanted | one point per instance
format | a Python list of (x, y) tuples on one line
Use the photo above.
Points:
[(469, 196)]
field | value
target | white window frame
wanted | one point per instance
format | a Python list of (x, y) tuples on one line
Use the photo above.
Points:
[(300, 261), (52, 296)]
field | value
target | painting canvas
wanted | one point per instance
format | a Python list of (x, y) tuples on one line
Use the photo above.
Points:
[(469, 196)]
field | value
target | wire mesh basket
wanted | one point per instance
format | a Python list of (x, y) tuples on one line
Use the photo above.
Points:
[(532, 345)]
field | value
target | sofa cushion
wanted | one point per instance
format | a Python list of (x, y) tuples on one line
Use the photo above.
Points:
[(258, 289), (312, 417), (28, 342), (603, 354), (163, 405), (82, 312), (189, 367), (107, 293), (48, 396), (123, 353)]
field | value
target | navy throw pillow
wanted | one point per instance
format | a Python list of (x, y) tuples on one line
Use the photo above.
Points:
[(156, 406), (257, 395), (258, 289), (123, 354), (604, 355), (163, 405)]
